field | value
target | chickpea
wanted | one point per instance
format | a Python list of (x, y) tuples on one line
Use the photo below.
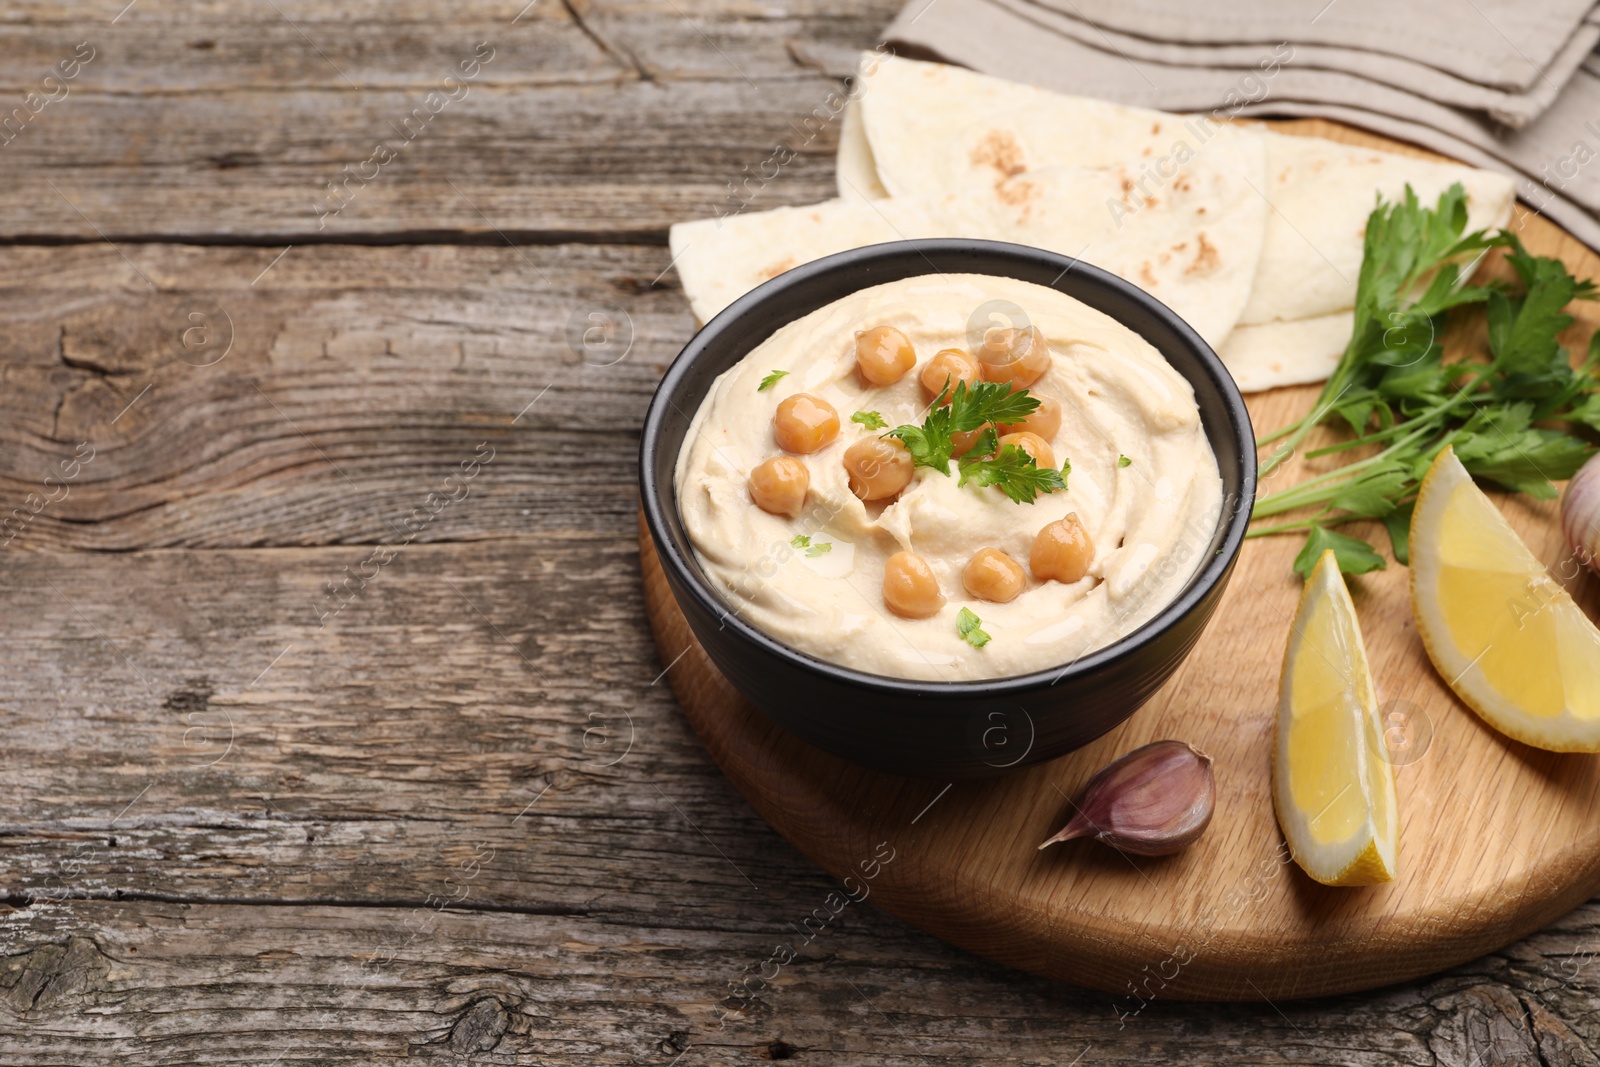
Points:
[(883, 355), (1061, 551), (1033, 445), (878, 467), (963, 441), (778, 486), (948, 367), (1017, 356), (1045, 420), (910, 589), (992, 575), (804, 423)]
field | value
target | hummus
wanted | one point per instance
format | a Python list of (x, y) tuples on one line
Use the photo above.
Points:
[(1143, 483)]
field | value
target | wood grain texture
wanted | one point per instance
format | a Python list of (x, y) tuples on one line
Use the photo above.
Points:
[(229, 127), (311, 897), (1497, 839), (356, 380), (326, 985)]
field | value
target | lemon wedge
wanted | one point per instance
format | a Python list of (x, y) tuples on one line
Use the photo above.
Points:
[(1332, 784), (1503, 633)]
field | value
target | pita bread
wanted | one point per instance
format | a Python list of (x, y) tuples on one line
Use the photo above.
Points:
[(1321, 193), (1266, 355), (1195, 249), (932, 127), (856, 172)]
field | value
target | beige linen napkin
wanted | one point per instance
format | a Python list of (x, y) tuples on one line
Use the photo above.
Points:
[(1509, 106), (1503, 43), (1556, 157)]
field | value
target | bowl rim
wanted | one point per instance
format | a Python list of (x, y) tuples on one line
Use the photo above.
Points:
[(657, 497)]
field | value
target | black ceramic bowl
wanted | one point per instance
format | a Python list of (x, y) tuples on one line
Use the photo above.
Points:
[(927, 728)]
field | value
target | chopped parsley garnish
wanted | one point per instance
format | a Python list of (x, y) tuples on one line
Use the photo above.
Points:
[(870, 419), (968, 626), (1124, 461), (821, 548), (771, 379)]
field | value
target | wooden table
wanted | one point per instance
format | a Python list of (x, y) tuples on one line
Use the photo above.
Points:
[(333, 731)]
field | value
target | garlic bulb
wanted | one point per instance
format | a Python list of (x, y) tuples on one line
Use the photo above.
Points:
[(1580, 514)]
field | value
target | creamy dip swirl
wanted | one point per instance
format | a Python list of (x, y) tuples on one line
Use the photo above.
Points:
[(1151, 519)]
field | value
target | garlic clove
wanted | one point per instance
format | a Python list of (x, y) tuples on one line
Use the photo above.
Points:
[(1154, 801), (1580, 514)]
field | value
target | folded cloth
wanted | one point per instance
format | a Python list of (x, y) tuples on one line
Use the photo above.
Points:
[(1513, 107), (1503, 43), (1555, 157)]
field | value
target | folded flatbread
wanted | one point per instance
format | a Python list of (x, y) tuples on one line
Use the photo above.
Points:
[(1321, 193), (1195, 247), (1265, 355), (928, 127)]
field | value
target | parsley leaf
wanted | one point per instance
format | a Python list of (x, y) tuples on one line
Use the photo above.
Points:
[(870, 419), (1124, 461), (1522, 335), (1589, 413), (967, 625), (995, 402), (1354, 555), (1370, 495), (1015, 472), (1398, 523), (1528, 463), (928, 444), (771, 379), (821, 548), (986, 445)]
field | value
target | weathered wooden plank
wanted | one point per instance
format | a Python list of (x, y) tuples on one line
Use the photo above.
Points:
[(217, 725), (170, 47), (357, 378), (98, 983), (564, 161), (367, 771), (618, 124)]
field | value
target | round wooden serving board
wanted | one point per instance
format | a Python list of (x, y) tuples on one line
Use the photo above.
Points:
[(1497, 839)]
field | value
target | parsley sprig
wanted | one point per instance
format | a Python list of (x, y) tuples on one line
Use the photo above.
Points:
[(965, 409), (1508, 416), (961, 410), (1013, 470)]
